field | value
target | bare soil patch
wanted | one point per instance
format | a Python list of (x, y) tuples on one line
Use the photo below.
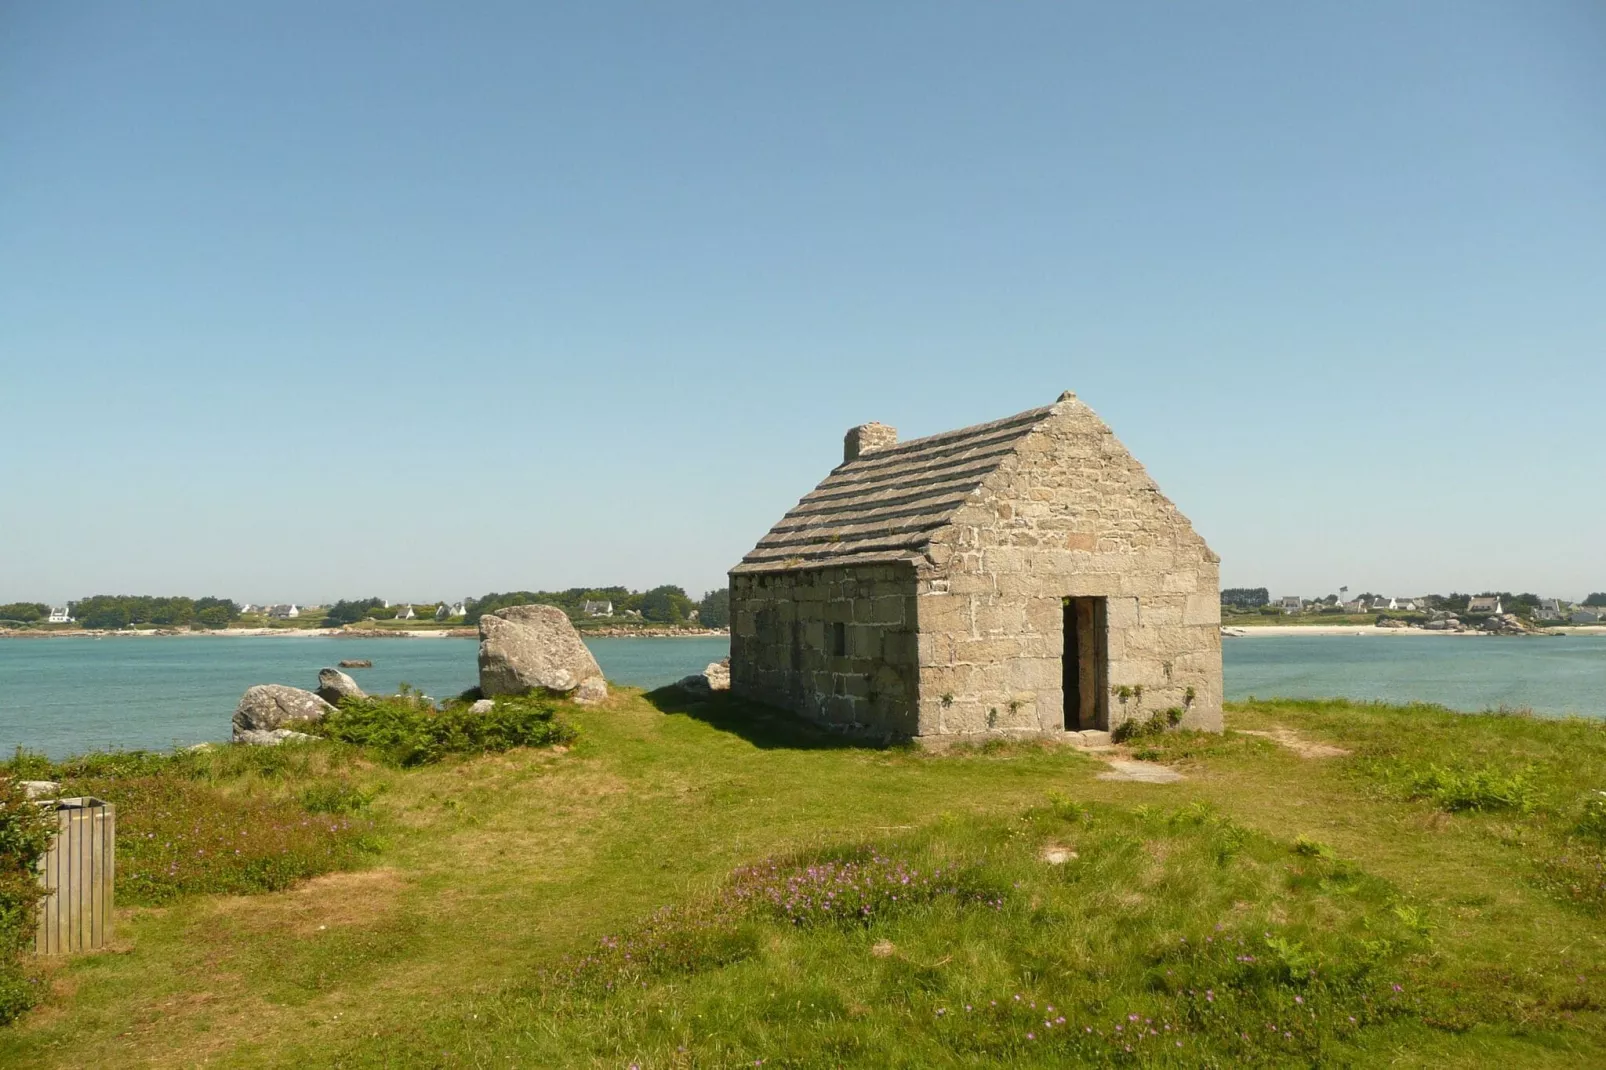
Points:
[(334, 899), (1305, 748)]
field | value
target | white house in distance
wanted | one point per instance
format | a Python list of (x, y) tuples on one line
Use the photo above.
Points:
[(597, 609), (405, 612), (289, 611), (1407, 605), (1485, 604), (1293, 604), (1550, 609), (59, 615)]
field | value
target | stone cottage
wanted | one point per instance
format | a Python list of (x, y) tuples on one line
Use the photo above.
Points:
[(1024, 576)]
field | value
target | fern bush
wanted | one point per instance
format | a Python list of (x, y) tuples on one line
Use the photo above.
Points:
[(406, 730)]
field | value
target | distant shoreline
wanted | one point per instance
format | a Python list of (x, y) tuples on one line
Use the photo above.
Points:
[(1252, 630), (348, 633)]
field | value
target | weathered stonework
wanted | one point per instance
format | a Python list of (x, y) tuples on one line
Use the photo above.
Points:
[(922, 589), (836, 644)]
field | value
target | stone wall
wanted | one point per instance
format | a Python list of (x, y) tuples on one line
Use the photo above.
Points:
[(834, 644), (1071, 513)]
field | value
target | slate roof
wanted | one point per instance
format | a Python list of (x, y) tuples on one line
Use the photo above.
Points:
[(885, 505)]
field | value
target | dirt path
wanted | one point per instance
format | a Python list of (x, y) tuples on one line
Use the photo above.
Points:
[(1305, 748)]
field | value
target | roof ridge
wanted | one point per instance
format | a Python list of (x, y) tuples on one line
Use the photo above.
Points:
[(885, 505), (1029, 416)]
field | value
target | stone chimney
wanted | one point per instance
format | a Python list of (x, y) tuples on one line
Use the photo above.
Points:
[(867, 438)]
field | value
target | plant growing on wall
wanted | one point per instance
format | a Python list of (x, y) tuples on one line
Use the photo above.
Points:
[(1138, 728)]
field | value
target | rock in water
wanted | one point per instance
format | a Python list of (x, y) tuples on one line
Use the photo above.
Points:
[(717, 677), (334, 685), (525, 647), (267, 708), (357, 663)]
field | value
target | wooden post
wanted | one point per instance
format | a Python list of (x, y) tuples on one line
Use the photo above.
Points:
[(78, 875)]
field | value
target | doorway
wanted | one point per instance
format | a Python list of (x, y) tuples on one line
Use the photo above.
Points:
[(1086, 664)]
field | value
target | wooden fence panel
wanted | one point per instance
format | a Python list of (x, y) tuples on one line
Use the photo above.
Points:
[(78, 874)]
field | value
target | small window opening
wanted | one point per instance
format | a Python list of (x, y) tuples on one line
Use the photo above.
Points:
[(839, 640)]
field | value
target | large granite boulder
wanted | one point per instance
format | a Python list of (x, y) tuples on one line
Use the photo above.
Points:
[(528, 647), (267, 708), (334, 685)]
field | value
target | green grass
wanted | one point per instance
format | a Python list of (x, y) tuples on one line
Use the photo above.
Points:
[(1424, 901), (232, 820)]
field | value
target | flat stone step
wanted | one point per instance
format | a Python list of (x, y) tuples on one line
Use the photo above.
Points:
[(1090, 737), (1143, 772)]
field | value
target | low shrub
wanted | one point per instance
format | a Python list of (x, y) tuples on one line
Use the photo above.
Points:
[(1305, 845), (335, 797), (1592, 820), (406, 730), (1455, 789), (25, 834), (30, 765), (177, 836)]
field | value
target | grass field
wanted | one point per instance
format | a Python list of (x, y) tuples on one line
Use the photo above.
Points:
[(708, 886)]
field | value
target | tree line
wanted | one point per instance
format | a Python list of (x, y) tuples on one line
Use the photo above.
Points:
[(122, 610), (667, 604)]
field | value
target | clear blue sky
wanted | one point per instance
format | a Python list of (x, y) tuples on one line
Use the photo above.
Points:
[(312, 300)]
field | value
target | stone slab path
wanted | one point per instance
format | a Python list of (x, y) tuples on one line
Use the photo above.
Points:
[(1143, 772)]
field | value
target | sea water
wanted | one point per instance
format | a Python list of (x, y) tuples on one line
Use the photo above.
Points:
[(1552, 675), (64, 696)]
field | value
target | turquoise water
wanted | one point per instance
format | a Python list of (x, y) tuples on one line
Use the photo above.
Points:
[(1554, 675), (63, 696)]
